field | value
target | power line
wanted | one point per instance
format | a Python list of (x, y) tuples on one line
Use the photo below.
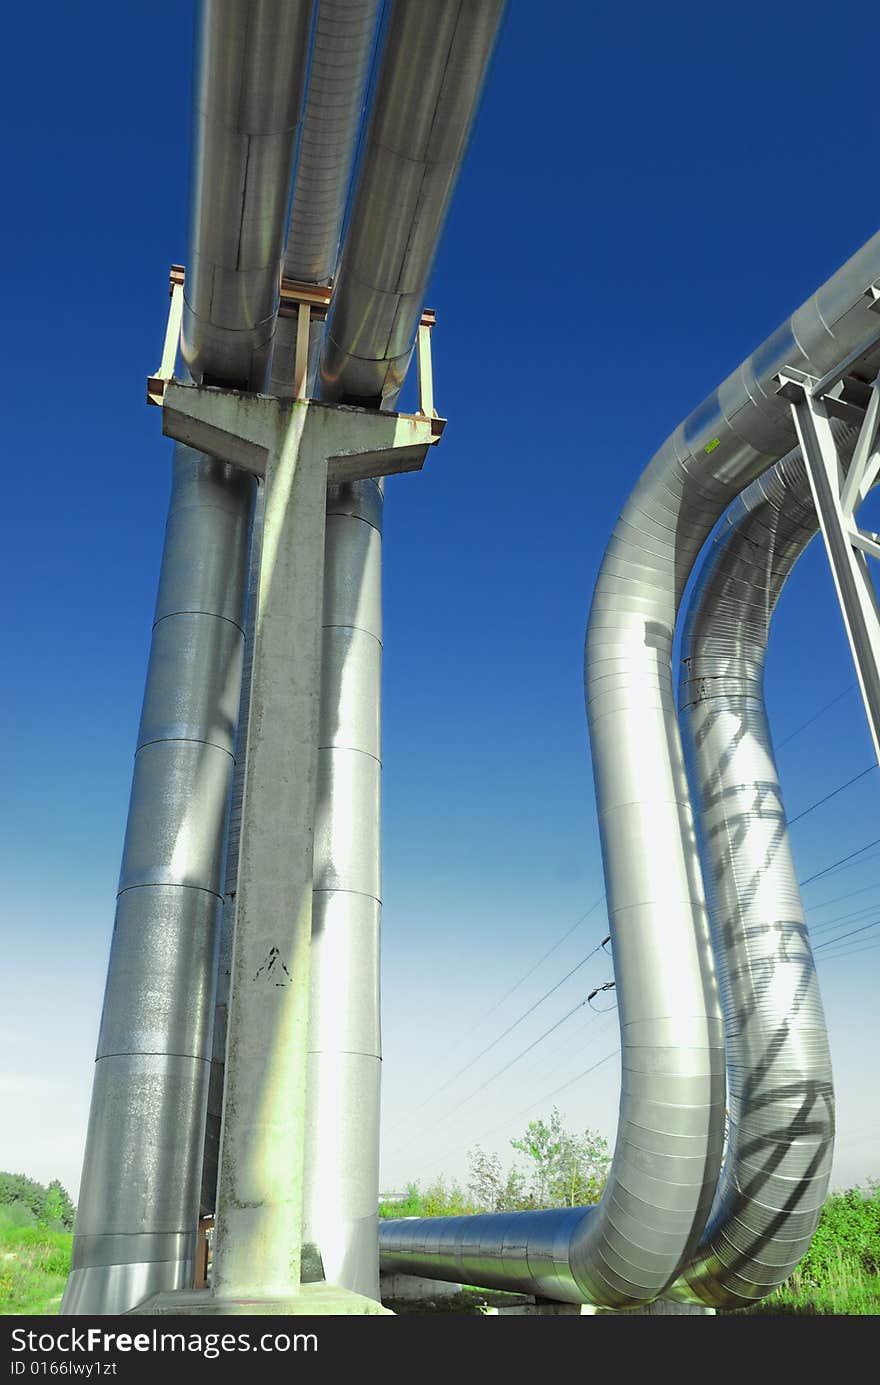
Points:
[(833, 794), (838, 899), (834, 864), (569, 1043), (489, 1080), (851, 934), (857, 914), (850, 952), (531, 971), (803, 726), (509, 1030), (609, 986), (548, 1096)]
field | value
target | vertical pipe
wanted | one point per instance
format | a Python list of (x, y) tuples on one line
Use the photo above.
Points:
[(342, 1131), (230, 887), (343, 42), (781, 1100), (139, 1197)]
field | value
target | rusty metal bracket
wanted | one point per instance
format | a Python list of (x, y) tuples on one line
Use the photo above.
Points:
[(307, 303), (156, 382)]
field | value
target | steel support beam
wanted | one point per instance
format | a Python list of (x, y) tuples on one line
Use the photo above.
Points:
[(835, 497)]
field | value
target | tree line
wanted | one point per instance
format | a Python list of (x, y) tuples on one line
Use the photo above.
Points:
[(31, 1202), (556, 1168)]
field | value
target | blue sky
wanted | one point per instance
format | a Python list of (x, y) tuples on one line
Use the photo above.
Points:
[(647, 196)]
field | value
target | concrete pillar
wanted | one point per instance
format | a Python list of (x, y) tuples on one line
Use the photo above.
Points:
[(259, 1201)]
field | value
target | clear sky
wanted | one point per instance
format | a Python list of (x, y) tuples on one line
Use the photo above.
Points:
[(648, 194)]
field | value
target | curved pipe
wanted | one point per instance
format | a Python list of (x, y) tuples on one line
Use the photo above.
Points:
[(667, 1155), (780, 1099), (434, 63)]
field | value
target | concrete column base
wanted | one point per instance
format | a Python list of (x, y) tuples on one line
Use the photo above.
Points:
[(313, 1300), (537, 1310), (545, 1308), (412, 1286), (660, 1308)]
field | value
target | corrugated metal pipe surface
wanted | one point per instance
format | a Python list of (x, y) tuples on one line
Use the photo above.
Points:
[(342, 44), (248, 99), (780, 1098), (139, 1198), (434, 62), (342, 1112), (667, 1157), (341, 51)]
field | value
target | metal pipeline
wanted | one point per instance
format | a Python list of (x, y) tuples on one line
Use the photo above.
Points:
[(138, 1202), (434, 63), (342, 44), (780, 1094), (632, 1246), (342, 1112), (247, 104), (342, 1104), (342, 1124), (139, 1197)]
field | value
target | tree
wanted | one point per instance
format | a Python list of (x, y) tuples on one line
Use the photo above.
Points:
[(562, 1170), (17, 1188), (567, 1170), (58, 1207), (52, 1204), (493, 1190)]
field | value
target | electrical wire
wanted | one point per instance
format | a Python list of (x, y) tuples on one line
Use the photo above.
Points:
[(838, 899), (850, 952), (834, 864), (842, 918), (803, 726), (442, 1120), (531, 971), (609, 986), (851, 934), (509, 1030), (548, 1096), (833, 794)]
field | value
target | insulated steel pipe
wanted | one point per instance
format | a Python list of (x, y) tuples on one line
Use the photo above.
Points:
[(343, 43), (342, 1105), (630, 1249), (342, 1121), (342, 46), (139, 1198), (780, 1100), (248, 96), (434, 62), (342, 1149), (341, 1177)]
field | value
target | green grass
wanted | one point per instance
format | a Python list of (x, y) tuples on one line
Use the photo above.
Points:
[(34, 1262), (847, 1291)]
